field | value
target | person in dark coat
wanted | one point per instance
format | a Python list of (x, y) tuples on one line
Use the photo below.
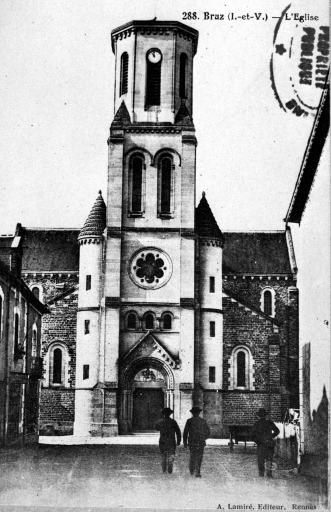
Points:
[(196, 432), (263, 433), (170, 437)]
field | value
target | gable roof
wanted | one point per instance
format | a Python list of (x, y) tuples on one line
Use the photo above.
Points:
[(311, 159), (164, 352), (256, 253), (47, 250), (205, 223)]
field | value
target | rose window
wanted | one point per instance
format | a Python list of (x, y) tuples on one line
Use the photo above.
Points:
[(150, 268)]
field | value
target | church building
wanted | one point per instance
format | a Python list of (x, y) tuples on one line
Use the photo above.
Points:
[(151, 304)]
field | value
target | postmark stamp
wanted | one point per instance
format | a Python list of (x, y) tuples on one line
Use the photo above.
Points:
[(299, 64)]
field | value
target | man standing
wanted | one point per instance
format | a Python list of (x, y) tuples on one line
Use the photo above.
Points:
[(169, 431), (263, 433), (195, 434)]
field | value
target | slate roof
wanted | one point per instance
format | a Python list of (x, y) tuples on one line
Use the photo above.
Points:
[(256, 253), (96, 221), (205, 223), (245, 252), (50, 250)]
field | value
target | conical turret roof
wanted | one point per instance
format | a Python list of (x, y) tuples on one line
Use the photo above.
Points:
[(96, 221), (205, 222)]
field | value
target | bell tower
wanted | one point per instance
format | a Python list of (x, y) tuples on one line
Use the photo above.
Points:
[(153, 69), (150, 223), (147, 313)]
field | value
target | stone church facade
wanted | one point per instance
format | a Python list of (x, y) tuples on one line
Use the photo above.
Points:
[(151, 304)]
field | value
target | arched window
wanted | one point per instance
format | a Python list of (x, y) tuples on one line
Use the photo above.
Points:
[(267, 302), (153, 78), (136, 182), (241, 369), (149, 321), (36, 292), (34, 343), (57, 366), (167, 321), (132, 321), (165, 199), (124, 73), (182, 75), (16, 330)]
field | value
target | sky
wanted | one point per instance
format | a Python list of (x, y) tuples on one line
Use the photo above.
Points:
[(56, 101)]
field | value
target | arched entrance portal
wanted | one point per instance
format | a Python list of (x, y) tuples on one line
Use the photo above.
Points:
[(148, 387), (148, 399)]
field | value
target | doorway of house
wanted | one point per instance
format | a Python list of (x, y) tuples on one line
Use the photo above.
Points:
[(147, 406)]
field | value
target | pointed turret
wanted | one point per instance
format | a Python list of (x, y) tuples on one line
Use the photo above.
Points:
[(96, 221), (210, 239), (91, 243), (205, 222)]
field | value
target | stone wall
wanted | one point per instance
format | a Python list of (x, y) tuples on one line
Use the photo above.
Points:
[(57, 403), (57, 408), (241, 326)]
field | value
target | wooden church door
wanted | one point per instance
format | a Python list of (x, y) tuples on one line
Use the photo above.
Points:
[(147, 405)]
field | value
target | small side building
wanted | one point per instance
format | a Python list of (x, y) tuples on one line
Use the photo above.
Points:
[(309, 216), (20, 348)]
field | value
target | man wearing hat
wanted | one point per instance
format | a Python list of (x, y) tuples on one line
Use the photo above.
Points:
[(195, 434), (263, 433), (170, 437)]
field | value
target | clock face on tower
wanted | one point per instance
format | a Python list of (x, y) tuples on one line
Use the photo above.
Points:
[(150, 268), (154, 56)]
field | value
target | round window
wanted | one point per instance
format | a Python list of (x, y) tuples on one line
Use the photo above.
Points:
[(150, 268)]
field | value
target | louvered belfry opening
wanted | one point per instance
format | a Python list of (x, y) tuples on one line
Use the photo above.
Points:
[(124, 73)]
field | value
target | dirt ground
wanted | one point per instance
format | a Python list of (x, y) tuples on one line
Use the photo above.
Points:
[(130, 477)]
